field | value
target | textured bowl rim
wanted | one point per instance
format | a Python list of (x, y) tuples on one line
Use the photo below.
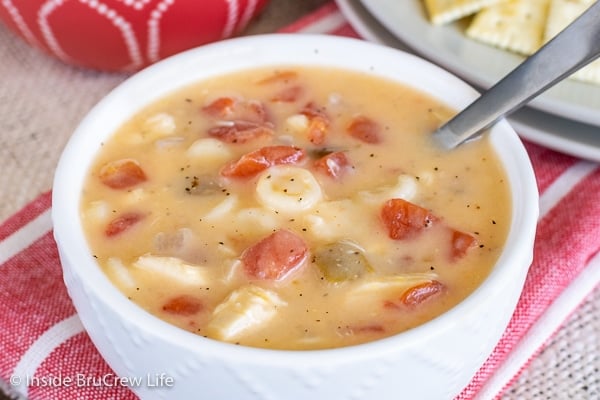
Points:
[(257, 51)]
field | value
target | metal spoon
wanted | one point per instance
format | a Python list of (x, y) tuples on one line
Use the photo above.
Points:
[(577, 45)]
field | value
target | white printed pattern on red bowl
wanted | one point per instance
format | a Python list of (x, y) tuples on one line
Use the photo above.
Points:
[(127, 34)]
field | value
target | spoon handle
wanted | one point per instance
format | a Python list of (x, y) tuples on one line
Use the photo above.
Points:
[(577, 45)]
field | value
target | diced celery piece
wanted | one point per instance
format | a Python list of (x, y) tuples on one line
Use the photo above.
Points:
[(341, 261)]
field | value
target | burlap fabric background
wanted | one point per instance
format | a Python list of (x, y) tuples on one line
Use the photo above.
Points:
[(42, 101)]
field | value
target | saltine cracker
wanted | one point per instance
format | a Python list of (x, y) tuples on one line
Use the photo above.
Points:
[(562, 13), (514, 25), (444, 11)]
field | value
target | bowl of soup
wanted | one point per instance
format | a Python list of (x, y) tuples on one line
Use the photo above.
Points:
[(269, 218)]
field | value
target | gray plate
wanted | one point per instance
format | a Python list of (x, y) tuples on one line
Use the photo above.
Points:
[(565, 135), (480, 64)]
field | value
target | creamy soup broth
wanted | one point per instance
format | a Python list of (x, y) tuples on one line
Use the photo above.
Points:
[(294, 208)]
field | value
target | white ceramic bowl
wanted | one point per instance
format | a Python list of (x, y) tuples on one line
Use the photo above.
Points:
[(433, 361)]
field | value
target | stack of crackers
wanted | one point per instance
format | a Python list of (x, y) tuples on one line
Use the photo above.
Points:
[(520, 26)]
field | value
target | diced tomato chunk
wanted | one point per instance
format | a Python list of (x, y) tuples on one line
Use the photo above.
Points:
[(312, 110), (240, 131), (333, 164), (221, 107), (238, 120), (122, 223), (461, 243), (122, 174), (318, 123), (183, 305), (418, 294), (365, 129), (254, 110), (404, 219), (279, 76), (288, 94), (256, 161), (233, 109), (276, 256), (318, 127), (373, 328)]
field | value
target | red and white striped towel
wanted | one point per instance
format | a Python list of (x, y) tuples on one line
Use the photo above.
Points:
[(41, 336)]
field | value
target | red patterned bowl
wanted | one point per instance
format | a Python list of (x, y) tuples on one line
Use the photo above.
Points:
[(124, 35)]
